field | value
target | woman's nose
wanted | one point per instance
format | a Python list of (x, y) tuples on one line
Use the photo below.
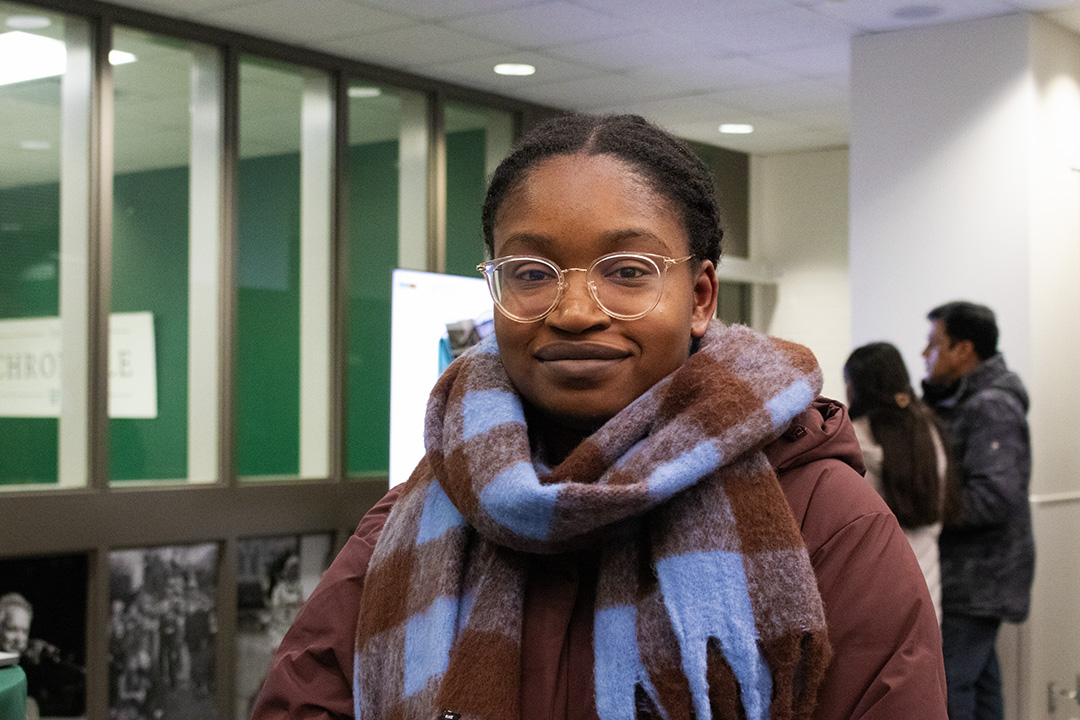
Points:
[(577, 310)]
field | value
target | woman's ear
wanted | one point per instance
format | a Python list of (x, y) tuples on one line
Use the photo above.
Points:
[(705, 288)]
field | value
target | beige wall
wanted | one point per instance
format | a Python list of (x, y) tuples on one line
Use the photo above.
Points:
[(799, 235)]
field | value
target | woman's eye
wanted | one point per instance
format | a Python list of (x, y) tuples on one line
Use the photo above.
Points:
[(628, 270), (531, 273)]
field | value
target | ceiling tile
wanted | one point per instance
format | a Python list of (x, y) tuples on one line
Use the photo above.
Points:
[(1044, 4), (479, 72), (307, 21), (879, 17), (786, 29), (634, 50), (711, 74), (429, 10), (415, 46), (593, 92), (816, 61), (190, 8), (684, 108), (787, 96), (543, 25)]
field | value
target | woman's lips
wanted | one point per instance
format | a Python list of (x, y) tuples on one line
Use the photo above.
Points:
[(579, 361)]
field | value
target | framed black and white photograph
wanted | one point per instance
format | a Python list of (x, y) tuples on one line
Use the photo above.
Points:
[(274, 575), (162, 632), (43, 621)]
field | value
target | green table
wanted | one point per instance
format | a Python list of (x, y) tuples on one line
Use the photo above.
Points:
[(12, 693)]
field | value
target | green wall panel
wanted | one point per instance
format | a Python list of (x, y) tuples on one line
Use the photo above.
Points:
[(268, 316), (29, 287), (150, 274), (373, 249), (466, 185)]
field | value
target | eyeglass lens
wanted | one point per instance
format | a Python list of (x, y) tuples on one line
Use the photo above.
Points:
[(623, 285)]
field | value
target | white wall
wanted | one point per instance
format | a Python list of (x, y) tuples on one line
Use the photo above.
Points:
[(962, 142), (939, 180), (1052, 637), (799, 232)]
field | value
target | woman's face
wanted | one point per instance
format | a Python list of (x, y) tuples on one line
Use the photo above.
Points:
[(578, 365)]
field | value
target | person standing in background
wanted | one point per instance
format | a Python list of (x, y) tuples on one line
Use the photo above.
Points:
[(988, 554), (905, 455)]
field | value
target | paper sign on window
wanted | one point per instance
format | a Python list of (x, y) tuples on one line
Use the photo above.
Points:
[(30, 362)]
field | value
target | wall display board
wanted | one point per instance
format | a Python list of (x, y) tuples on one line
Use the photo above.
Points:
[(274, 576), (43, 619), (433, 317), (162, 632)]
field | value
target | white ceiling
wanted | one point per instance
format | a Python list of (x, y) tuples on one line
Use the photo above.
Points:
[(781, 65)]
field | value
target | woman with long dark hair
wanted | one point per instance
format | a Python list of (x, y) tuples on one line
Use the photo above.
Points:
[(906, 459)]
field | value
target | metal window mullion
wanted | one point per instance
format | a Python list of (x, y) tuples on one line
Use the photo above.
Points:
[(227, 298), (101, 237), (436, 182), (339, 336), (99, 306)]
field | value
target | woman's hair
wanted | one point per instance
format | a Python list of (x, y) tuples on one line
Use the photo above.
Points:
[(669, 166), (880, 389)]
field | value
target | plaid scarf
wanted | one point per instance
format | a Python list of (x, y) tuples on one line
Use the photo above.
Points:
[(728, 623)]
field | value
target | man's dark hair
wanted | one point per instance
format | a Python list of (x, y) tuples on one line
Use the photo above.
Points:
[(669, 166), (969, 321)]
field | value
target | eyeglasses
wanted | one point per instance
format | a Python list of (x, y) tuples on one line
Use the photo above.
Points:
[(626, 286)]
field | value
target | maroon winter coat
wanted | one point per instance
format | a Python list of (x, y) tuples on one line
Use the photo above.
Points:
[(882, 627)]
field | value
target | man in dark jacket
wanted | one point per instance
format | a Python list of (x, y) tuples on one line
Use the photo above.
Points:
[(988, 554)]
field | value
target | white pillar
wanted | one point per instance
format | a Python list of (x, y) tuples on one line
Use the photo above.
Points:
[(962, 142)]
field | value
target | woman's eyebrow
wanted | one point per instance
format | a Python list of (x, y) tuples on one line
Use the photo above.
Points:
[(531, 242), (610, 241), (616, 239)]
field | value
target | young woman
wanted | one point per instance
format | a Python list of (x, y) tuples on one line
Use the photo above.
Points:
[(626, 508), (906, 460)]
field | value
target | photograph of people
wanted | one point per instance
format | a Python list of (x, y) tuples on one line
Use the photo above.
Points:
[(626, 508), (162, 632), (43, 621)]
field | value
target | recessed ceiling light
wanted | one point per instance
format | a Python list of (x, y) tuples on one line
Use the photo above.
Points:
[(916, 12), (736, 129), (27, 22), (119, 57), (35, 145), (364, 91), (517, 69), (26, 56)]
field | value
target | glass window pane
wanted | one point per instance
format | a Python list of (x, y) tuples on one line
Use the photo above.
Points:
[(44, 103), (731, 172), (382, 122), (733, 305), (154, 79), (477, 139), (283, 270)]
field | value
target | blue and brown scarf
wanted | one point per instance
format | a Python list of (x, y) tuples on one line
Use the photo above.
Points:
[(729, 622)]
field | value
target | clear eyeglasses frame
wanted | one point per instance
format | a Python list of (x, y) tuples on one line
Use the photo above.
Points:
[(625, 285)]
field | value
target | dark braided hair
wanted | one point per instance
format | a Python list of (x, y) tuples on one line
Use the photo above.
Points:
[(669, 166)]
